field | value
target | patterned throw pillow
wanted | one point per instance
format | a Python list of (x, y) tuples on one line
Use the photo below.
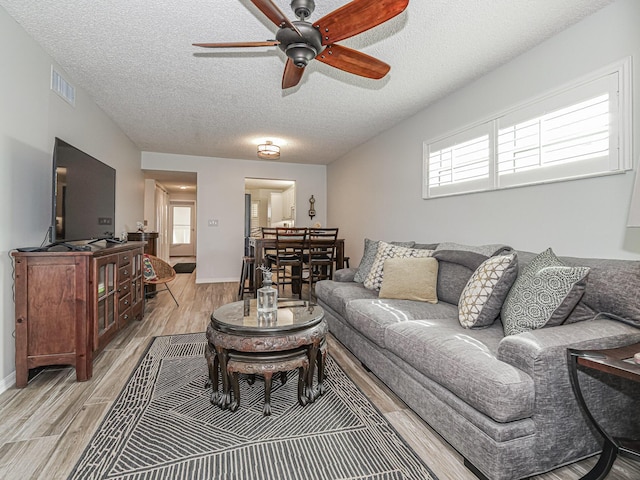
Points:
[(486, 290), (543, 295), (369, 255), (147, 269), (387, 250)]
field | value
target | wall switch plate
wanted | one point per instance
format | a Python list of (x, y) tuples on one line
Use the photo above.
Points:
[(213, 222)]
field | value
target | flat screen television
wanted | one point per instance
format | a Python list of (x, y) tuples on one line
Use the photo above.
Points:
[(84, 196)]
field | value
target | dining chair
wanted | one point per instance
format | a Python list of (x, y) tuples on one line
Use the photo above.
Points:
[(321, 255), (289, 257), (269, 255)]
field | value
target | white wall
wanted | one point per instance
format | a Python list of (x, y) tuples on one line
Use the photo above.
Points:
[(375, 190), (31, 116), (221, 197)]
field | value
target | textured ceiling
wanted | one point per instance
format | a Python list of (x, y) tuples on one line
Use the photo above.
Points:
[(134, 57)]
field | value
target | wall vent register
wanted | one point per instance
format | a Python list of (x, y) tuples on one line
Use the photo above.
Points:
[(62, 87)]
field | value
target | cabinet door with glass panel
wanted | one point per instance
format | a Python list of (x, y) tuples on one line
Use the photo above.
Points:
[(106, 305), (137, 285)]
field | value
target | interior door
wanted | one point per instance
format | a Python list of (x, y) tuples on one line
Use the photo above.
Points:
[(183, 230)]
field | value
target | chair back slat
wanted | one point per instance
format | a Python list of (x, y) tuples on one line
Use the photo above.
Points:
[(321, 254), (268, 232), (291, 240)]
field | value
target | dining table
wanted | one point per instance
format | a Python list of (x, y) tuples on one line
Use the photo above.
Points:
[(258, 246)]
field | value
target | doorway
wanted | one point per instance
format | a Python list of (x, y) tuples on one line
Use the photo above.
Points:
[(182, 228), (269, 203), (163, 190)]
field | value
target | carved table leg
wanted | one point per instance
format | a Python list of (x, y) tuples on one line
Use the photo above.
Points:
[(302, 381), (313, 355), (213, 364), (235, 403), (322, 356), (224, 399), (266, 411), (208, 355)]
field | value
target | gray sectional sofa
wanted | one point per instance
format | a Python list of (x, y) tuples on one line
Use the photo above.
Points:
[(505, 402)]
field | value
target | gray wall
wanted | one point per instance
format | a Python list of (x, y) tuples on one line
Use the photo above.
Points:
[(375, 190), (31, 117)]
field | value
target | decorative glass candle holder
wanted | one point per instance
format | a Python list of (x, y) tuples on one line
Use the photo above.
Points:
[(267, 299)]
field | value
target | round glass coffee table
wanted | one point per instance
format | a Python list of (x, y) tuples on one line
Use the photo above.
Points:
[(242, 341)]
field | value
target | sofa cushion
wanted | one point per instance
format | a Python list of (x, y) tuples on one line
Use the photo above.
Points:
[(464, 362), (484, 250), (544, 294), (338, 294), (369, 255), (372, 317), (410, 279), (385, 251), (603, 293), (454, 273), (457, 264), (486, 290)]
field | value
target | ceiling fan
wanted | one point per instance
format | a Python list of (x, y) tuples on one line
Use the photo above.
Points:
[(303, 41)]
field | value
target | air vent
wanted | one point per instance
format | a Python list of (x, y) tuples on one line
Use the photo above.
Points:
[(62, 87)]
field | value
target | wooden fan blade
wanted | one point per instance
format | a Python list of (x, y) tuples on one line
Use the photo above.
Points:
[(353, 61), (273, 13), (266, 43), (356, 17), (292, 74)]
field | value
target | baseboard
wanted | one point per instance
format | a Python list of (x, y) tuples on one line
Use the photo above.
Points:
[(8, 382), (217, 280)]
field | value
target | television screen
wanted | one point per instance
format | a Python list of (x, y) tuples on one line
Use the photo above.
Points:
[(84, 196)]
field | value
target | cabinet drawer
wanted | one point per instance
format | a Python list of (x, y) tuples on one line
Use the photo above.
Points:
[(124, 288), (124, 259), (124, 273), (124, 317), (124, 303)]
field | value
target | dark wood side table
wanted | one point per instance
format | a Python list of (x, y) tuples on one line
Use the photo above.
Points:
[(618, 362)]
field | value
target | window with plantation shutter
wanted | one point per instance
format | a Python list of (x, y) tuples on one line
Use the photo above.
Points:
[(460, 163), (579, 131)]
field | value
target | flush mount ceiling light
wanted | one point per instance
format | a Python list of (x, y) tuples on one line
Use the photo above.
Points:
[(268, 151)]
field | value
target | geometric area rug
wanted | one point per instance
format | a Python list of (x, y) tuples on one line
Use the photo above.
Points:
[(163, 426)]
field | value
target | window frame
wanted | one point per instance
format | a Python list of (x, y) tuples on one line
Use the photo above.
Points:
[(620, 137)]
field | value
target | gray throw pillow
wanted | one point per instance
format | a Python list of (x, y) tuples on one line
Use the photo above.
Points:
[(486, 290), (369, 255), (543, 295)]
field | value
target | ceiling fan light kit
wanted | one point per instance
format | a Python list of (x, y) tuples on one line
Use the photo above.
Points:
[(303, 41), (268, 151)]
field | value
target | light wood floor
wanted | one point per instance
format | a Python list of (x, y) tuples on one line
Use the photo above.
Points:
[(45, 427)]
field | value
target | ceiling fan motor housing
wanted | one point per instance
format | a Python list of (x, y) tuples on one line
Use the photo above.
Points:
[(301, 50), (303, 8)]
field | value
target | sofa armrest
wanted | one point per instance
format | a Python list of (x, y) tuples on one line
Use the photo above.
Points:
[(542, 354), (535, 351), (345, 274)]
